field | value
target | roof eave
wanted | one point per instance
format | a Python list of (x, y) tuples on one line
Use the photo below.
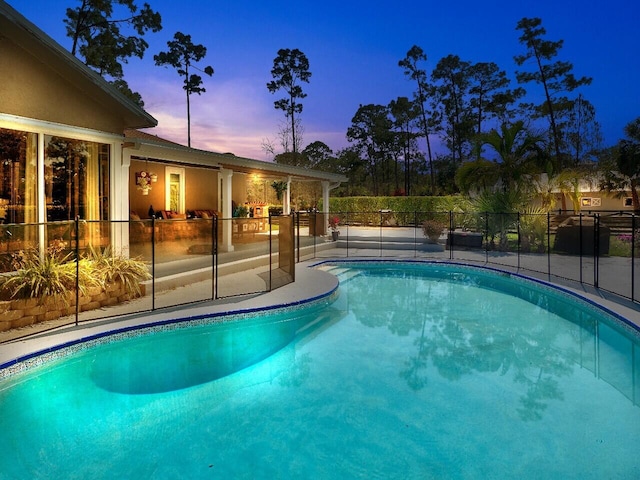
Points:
[(48, 51)]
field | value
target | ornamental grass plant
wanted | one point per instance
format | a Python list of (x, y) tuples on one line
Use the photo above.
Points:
[(55, 274)]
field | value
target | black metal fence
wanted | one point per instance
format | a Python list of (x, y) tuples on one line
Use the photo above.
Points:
[(599, 250), (186, 260), (196, 260)]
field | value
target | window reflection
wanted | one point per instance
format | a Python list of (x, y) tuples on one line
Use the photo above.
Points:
[(18, 176), (76, 179)]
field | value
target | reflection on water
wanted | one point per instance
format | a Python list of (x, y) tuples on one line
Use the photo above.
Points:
[(180, 358), (471, 383), (465, 324)]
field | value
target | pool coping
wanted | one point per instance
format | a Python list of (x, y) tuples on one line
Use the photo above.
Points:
[(628, 316), (312, 284)]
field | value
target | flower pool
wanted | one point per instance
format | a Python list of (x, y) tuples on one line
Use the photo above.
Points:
[(409, 370)]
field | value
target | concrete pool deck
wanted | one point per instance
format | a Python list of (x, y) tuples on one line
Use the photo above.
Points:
[(311, 283)]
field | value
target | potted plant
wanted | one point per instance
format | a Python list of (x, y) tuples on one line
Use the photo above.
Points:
[(333, 225), (143, 182), (241, 211), (432, 229)]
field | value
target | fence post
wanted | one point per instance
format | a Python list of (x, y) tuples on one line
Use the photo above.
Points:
[(297, 229), (596, 249), (380, 238), (415, 234), (77, 227), (451, 235), (292, 230), (153, 263), (214, 256), (486, 237), (580, 246), (633, 253), (549, 245), (518, 247), (270, 252), (347, 222)]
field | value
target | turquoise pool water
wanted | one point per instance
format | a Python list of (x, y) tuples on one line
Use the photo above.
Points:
[(414, 371)]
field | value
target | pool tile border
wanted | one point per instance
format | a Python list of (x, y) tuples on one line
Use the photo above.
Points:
[(40, 357)]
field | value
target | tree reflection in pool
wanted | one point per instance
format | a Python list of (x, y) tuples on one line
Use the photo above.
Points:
[(416, 370)]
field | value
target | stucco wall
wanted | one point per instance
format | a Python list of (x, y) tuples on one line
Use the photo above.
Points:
[(30, 89), (201, 188), (239, 188), (599, 201), (138, 202)]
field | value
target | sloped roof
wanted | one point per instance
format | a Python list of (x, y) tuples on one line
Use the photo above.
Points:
[(34, 41), (229, 161)]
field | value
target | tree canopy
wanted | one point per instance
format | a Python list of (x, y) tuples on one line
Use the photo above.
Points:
[(183, 55), (101, 41), (290, 68)]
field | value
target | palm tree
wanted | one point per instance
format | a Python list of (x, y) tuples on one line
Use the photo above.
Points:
[(568, 182), (622, 173), (500, 184), (517, 152)]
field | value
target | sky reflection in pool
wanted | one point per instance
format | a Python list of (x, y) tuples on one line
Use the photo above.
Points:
[(415, 371)]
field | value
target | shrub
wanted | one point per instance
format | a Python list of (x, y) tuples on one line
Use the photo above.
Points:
[(54, 274), (51, 275), (129, 272)]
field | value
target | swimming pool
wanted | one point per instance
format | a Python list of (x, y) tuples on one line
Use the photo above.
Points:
[(415, 370)]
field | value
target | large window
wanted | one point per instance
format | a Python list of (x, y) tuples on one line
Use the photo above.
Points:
[(76, 179), (18, 177)]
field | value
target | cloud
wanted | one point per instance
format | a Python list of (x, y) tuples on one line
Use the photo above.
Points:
[(228, 117), (231, 116)]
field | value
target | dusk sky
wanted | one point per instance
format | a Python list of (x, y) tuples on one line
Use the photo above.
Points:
[(353, 49)]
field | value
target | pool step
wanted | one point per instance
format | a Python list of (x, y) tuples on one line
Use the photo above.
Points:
[(342, 273)]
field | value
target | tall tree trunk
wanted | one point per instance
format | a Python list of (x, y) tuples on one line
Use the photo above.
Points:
[(293, 128), (425, 129), (552, 119), (186, 68)]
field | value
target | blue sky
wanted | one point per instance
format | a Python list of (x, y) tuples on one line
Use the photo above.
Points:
[(353, 49)]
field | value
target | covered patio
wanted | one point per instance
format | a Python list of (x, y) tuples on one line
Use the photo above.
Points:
[(168, 181)]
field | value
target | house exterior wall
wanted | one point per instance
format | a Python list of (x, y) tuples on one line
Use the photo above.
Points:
[(239, 188), (30, 89), (603, 201), (139, 203), (201, 188), (598, 201)]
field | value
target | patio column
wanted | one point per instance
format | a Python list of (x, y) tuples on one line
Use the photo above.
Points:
[(325, 196), (225, 210), (120, 193), (286, 199), (326, 187)]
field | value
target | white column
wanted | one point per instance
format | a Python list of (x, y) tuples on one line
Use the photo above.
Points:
[(325, 197), (286, 199), (225, 177), (119, 192), (41, 206), (325, 205)]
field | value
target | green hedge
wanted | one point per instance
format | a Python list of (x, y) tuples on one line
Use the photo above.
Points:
[(366, 210)]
